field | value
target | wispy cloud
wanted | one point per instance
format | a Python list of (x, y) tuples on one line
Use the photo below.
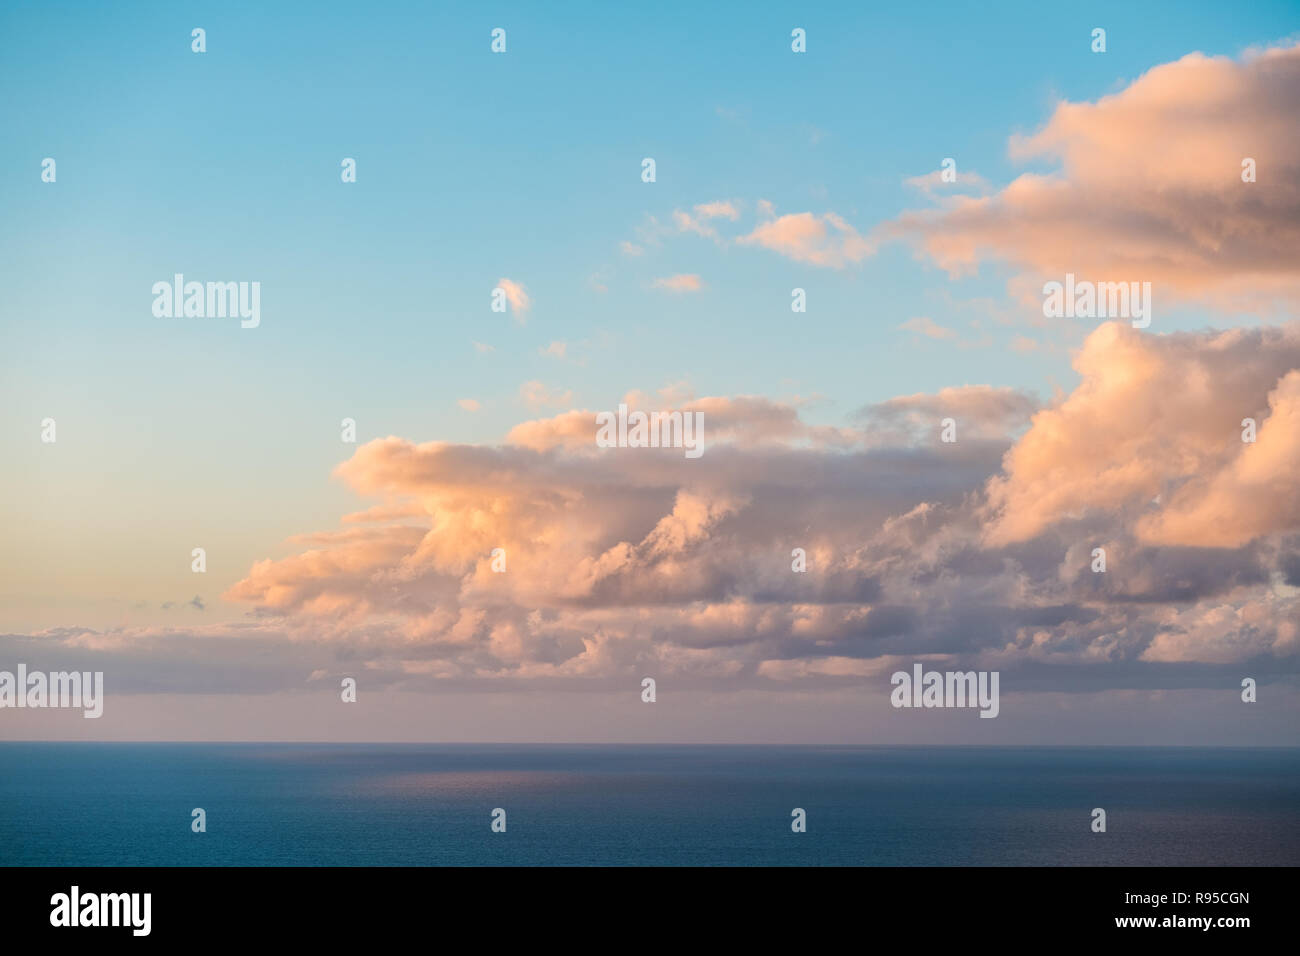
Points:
[(537, 395), (923, 325), (680, 283)]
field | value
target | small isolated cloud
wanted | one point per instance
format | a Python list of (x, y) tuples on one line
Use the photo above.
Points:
[(197, 602), (517, 296), (923, 325), (680, 283), (537, 395), (483, 349), (469, 404), (555, 350), (826, 241), (719, 209), (630, 248)]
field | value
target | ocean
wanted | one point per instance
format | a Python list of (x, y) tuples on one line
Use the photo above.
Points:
[(80, 804)]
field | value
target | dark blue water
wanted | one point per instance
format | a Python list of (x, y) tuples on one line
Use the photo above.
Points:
[(292, 804)]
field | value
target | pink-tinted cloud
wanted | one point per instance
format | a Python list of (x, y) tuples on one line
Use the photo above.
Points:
[(685, 282), (718, 209), (625, 561), (924, 325), (517, 296), (537, 395), (1153, 433), (826, 240), (1149, 188)]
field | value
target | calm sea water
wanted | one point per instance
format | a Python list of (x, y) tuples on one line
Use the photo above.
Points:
[(295, 805)]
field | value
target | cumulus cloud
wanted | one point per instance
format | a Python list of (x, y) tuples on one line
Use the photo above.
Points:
[(624, 559), (1149, 188), (1154, 432)]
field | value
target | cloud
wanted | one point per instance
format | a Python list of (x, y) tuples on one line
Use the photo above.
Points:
[(537, 395), (932, 184), (1153, 433), (687, 223), (631, 561), (980, 412), (517, 296), (742, 420), (469, 404), (718, 209), (703, 212), (554, 350), (1253, 494), (622, 562), (680, 283), (1149, 188), (926, 326), (483, 349), (826, 241)]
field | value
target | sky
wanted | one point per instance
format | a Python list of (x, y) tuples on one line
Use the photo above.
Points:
[(774, 171)]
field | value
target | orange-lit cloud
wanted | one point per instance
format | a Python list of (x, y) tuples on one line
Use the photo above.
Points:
[(680, 283), (1149, 188), (623, 559), (1153, 433), (517, 296), (825, 240)]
